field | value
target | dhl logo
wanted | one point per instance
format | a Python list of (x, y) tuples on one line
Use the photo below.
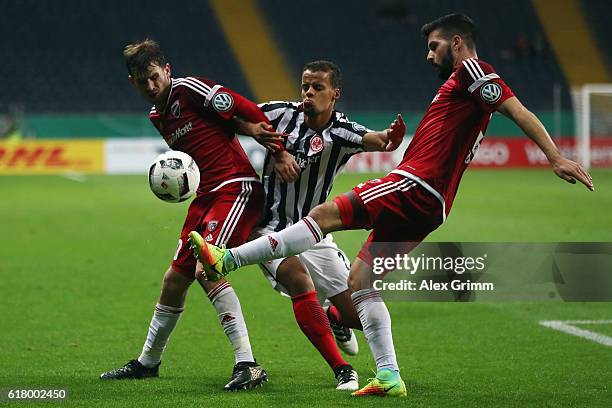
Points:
[(51, 157), (48, 157)]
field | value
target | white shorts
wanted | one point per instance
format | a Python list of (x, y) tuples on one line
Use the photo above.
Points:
[(327, 264)]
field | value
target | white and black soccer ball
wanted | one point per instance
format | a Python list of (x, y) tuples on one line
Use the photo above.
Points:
[(174, 176)]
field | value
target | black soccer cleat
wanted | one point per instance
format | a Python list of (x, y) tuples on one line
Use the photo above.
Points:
[(345, 338), (347, 378), (132, 370), (246, 375)]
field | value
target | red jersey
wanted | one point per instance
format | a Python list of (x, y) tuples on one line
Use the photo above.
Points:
[(197, 121), (450, 133)]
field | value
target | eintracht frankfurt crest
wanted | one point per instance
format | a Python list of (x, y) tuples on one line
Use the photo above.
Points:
[(316, 144)]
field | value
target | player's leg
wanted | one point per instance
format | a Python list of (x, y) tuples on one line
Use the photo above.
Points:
[(235, 211), (209, 215), (342, 311), (292, 274), (329, 269), (376, 323), (165, 317), (293, 240), (377, 204), (229, 312), (167, 313)]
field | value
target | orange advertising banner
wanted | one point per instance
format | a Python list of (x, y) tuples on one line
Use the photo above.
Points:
[(51, 156)]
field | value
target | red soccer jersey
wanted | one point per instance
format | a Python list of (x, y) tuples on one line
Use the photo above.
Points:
[(450, 133), (197, 121)]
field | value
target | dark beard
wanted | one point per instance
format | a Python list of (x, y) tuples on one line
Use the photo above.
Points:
[(445, 69), (309, 111)]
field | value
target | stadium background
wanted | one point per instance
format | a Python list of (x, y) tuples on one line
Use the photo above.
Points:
[(84, 244)]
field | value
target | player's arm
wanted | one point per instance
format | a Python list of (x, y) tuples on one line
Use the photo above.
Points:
[(285, 166), (385, 140), (263, 132), (251, 121), (534, 129)]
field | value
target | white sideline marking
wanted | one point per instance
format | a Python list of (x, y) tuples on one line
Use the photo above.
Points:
[(566, 326)]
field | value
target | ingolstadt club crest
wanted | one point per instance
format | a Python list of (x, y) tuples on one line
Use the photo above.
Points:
[(176, 109)]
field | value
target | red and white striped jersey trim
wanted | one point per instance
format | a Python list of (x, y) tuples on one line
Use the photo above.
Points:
[(477, 74), (192, 83), (426, 186), (229, 225), (386, 188), (235, 180), (473, 68)]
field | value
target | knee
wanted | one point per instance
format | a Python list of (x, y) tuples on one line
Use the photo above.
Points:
[(327, 217), (361, 276), (354, 284), (295, 278), (174, 281)]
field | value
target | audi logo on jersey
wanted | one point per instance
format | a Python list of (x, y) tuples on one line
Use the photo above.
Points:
[(222, 102), (491, 92)]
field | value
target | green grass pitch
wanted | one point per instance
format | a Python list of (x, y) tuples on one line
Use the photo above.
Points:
[(81, 263)]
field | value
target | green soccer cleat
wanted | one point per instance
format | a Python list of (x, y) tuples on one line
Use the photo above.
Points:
[(387, 383), (217, 262)]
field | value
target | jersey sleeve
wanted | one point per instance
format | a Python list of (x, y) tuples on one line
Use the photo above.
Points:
[(483, 85), (349, 135), (275, 109), (221, 101)]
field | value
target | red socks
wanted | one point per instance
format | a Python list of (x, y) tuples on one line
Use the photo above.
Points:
[(313, 321), (335, 314)]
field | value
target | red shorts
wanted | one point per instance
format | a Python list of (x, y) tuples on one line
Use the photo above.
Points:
[(399, 211), (222, 217)]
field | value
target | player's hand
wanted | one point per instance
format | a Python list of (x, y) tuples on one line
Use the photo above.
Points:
[(285, 167), (395, 133), (571, 171), (266, 136)]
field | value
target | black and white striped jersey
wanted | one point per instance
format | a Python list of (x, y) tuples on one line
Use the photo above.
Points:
[(320, 154)]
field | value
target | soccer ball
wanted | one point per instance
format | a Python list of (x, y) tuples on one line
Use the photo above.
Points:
[(174, 176)]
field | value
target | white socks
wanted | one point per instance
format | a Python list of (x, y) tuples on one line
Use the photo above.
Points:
[(291, 241), (228, 309), (163, 322), (376, 323)]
